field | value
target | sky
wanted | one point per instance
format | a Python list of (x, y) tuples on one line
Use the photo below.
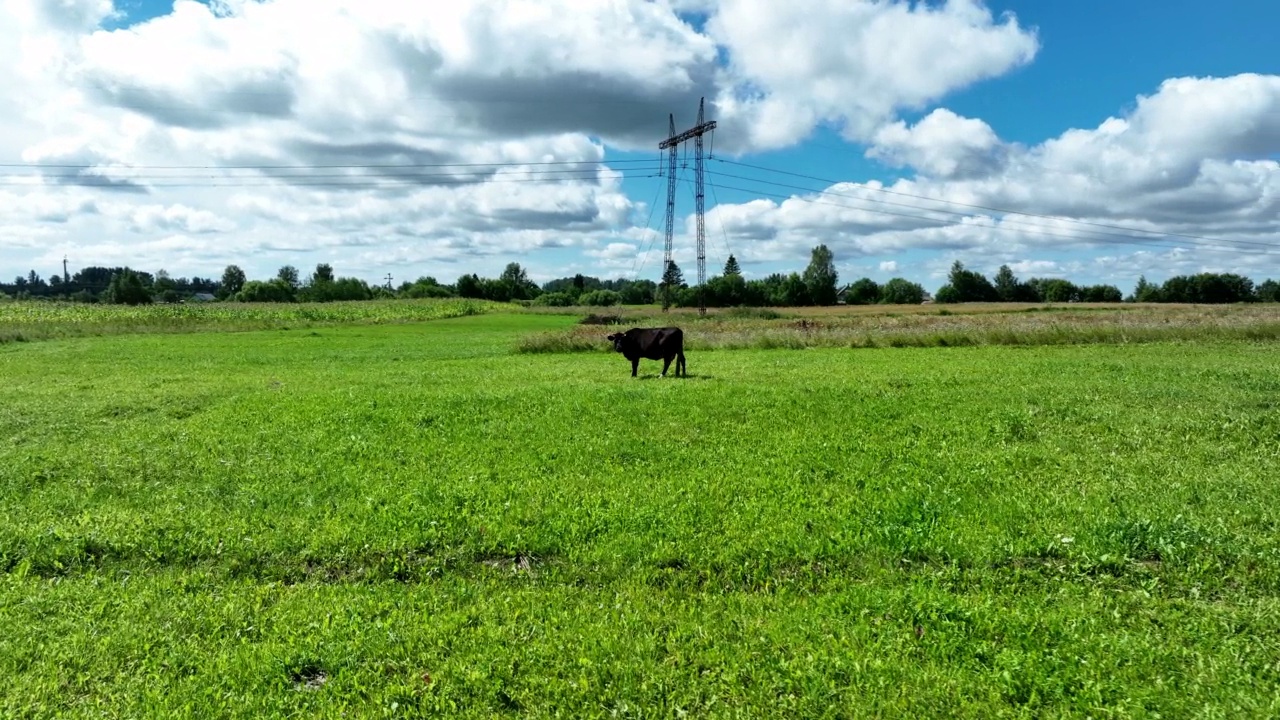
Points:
[(1087, 140)]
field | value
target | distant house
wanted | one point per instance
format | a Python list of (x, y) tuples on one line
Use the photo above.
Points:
[(203, 297)]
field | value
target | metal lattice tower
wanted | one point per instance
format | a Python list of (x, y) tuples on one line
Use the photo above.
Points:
[(671, 195), (672, 142)]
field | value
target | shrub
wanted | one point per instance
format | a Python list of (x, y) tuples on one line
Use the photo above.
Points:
[(947, 294), (126, 288), (900, 291), (863, 292), (600, 298), (270, 291), (553, 299), (594, 319)]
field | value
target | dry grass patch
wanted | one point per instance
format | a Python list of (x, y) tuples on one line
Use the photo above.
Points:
[(935, 326)]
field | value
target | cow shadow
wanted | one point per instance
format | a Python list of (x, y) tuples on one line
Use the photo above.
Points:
[(658, 376)]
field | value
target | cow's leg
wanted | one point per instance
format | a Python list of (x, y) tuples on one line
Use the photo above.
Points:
[(666, 363), (681, 368), (635, 364)]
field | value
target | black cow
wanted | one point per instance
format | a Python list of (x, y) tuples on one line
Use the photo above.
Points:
[(664, 344)]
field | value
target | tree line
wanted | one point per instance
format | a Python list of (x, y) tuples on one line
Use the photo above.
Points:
[(964, 285), (817, 285)]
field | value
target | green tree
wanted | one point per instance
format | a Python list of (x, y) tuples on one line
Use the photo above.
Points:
[(672, 283), (601, 298), (900, 291), (794, 291), (726, 291), (820, 277), (518, 285), (947, 294), (970, 286), (1056, 290), (274, 290), (164, 281), (1008, 288), (1101, 294), (1269, 291), (126, 288), (553, 299), (425, 287), (731, 267), (349, 288), (233, 280), (1146, 292), (639, 292), (289, 276), (323, 273), (469, 286), (863, 292)]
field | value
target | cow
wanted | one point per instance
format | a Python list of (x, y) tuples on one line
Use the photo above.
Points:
[(664, 344)]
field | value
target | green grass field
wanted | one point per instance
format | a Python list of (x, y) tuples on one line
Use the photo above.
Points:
[(419, 520)]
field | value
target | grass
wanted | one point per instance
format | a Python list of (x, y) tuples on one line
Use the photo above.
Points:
[(414, 521), (953, 326), (29, 321)]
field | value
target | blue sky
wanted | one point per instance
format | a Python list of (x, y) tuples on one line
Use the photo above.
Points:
[(1092, 62), (1096, 56)]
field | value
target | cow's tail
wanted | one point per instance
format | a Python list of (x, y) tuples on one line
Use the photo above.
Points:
[(681, 368)]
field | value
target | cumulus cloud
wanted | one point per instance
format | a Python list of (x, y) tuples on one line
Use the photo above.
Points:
[(156, 219), (794, 65), (1186, 167), (67, 15), (942, 144), (446, 71), (466, 135)]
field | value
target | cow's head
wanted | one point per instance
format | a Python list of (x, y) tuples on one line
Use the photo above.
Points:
[(617, 339)]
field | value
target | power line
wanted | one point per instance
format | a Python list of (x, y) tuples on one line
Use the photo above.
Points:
[(653, 206), (654, 239), (309, 166), (978, 207), (1000, 228), (354, 182), (720, 220), (317, 176), (690, 187)]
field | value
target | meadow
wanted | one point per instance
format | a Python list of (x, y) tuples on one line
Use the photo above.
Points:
[(49, 320), (449, 518)]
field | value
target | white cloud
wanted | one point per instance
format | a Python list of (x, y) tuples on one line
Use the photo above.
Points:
[(793, 65), (942, 144), (615, 251), (1037, 268), (66, 15), (174, 218), (1184, 161), (169, 114)]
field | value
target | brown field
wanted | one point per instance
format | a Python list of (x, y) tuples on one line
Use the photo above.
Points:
[(924, 325)]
